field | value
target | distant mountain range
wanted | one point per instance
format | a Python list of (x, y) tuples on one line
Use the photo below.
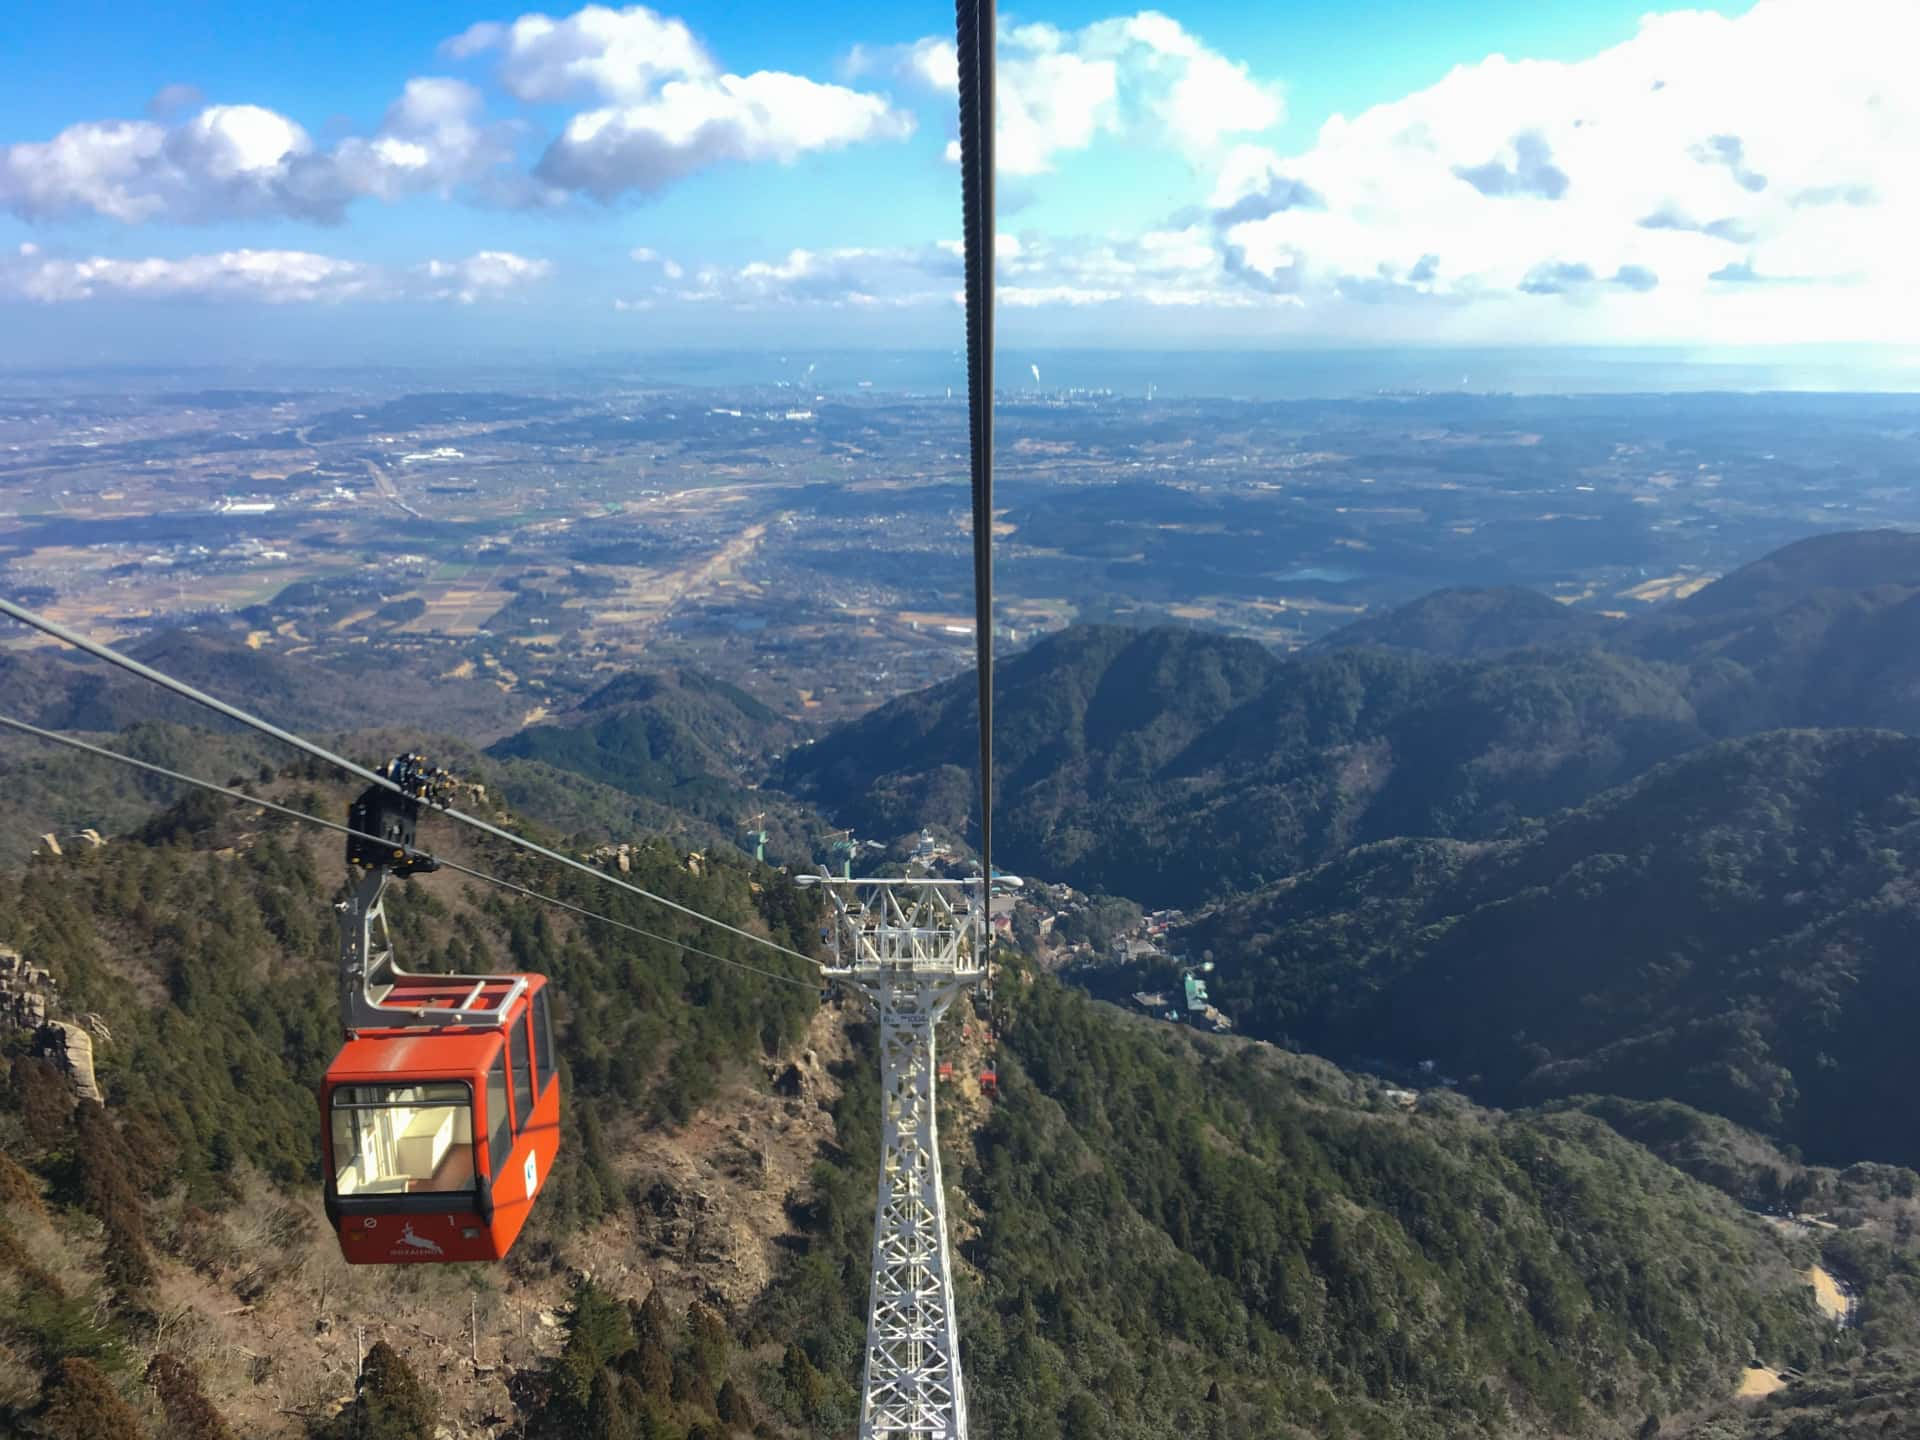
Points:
[(1172, 764)]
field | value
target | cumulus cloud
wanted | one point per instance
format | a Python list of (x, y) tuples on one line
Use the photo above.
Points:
[(488, 275), (230, 161), (1556, 278), (692, 125), (1857, 194), (1729, 153), (275, 277), (1781, 131), (1729, 228), (1514, 199), (595, 53), (1745, 272), (1253, 183), (432, 138), (1532, 171), (932, 63), (665, 107), (1143, 78)]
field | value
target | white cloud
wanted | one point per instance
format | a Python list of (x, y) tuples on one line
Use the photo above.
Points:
[(596, 52), (645, 255), (667, 108), (1713, 178), (271, 276), (1668, 186), (228, 161), (431, 139), (1143, 78), (488, 275), (1164, 268), (839, 278), (692, 125)]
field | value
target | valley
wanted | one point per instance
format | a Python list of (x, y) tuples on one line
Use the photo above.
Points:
[(1559, 960)]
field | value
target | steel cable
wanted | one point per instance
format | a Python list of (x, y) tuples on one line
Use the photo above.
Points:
[(290, 812), (319, 752)]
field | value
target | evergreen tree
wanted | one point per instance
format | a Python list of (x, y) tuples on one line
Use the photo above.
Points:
[(190, 1415), (608, 1416), (83, 1405), (390, 1403), (42, 1098), (733, 1408), (598, 1333), (708, 1343)]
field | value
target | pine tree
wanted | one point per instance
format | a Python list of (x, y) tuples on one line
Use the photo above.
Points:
[(598, 1333), (392, 1404), (41, 1096), (708, 1342), (190, 1415), (83, 1405), (609, 1417), (102, 1169), (653, 1368), (732, 1407)]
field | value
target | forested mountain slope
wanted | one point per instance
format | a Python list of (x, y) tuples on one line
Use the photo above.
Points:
[(1159, 1235), (1466, 621), (52, 789), (1170, 765), (1737, 929), (680, 739)]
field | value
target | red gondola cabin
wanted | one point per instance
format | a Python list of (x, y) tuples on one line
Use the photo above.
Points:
[(437, 1137)]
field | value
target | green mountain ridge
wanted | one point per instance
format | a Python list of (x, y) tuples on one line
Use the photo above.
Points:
[(680, 739), (1159, 1234), (1735, 929), (1172, 765), (1169, 764)]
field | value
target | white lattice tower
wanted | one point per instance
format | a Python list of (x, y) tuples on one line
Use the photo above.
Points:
[(911, 947)]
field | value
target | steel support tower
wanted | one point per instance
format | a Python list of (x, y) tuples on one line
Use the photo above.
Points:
[(911, 947)]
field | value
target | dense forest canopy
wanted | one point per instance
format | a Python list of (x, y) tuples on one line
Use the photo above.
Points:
[(1173, 765), (1736, 929), (1162, 1235)]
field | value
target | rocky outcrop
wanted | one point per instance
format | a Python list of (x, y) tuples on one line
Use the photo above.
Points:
[(29, 1000), (27, 993), (69, 1047)]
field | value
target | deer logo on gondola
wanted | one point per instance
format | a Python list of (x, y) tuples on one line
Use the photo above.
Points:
[(417, 1242)]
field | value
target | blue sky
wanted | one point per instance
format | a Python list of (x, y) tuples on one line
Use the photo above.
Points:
[(235, 179)]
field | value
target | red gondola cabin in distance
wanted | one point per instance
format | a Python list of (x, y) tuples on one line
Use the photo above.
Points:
[(440, 1116)]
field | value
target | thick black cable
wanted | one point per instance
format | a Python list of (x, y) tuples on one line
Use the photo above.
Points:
[(413, 852), (974, 22), (319, 752)]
